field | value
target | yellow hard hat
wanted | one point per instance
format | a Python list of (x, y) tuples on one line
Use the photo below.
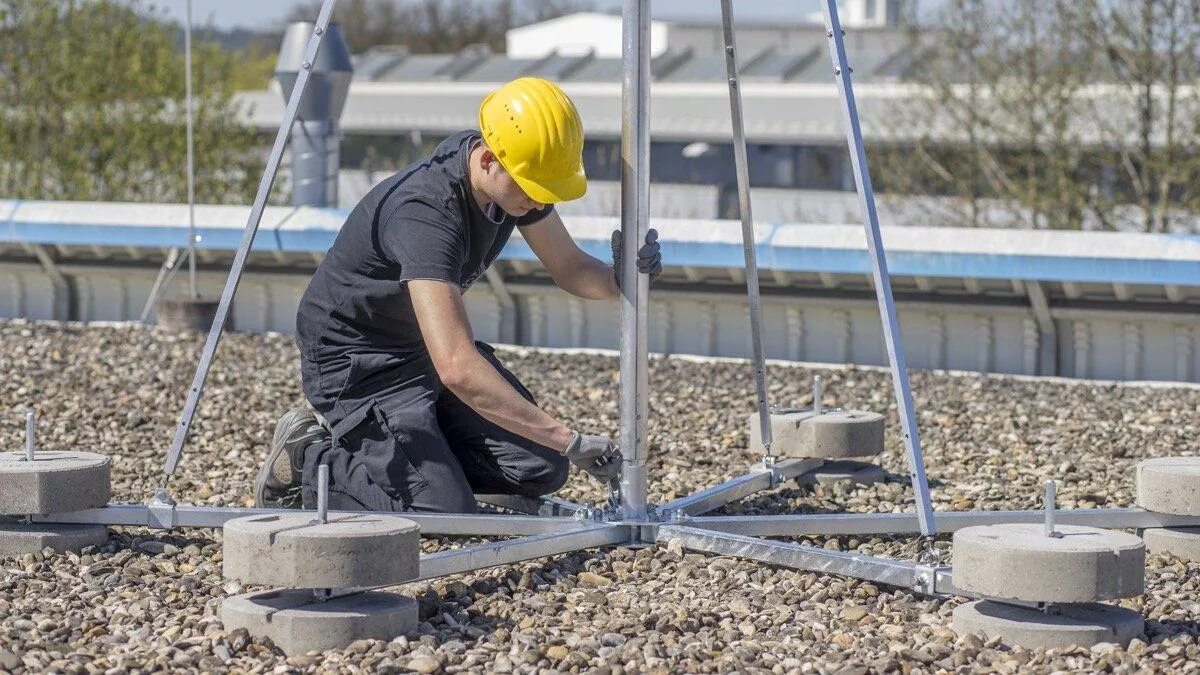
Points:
[(534, 130)]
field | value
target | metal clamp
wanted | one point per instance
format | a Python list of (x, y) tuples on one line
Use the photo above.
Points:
[(160, 512)]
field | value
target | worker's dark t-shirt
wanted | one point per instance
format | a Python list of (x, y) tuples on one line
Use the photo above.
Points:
[(422, 223)]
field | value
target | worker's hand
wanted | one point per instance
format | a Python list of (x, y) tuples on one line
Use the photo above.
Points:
[(596, 455), (649, 260)]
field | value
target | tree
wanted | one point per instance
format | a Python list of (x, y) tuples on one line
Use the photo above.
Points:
[(1053, 115), (435, 26), (91, 108)]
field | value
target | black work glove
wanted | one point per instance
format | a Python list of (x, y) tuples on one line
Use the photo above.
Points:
[(649, 259), (596, 455)]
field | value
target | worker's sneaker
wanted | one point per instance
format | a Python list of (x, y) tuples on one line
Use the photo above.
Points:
[(278, 481)]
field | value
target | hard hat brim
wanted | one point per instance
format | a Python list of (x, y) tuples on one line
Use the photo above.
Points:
[(563, 189)]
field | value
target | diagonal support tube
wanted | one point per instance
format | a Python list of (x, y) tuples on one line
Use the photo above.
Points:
[(742, 169), (883, 283), (239, 260)]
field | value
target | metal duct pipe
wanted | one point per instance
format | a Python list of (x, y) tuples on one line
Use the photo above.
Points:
[(316, 140)]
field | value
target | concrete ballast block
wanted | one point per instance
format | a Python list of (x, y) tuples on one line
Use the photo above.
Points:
[(1169, 485), (350, 550), (17, 539), (833, 434), (1181, 542), (298, 623), (1079, 625), (54, 482), (1018, 561)]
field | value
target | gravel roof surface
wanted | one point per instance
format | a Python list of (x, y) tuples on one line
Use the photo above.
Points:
[(147, 600)]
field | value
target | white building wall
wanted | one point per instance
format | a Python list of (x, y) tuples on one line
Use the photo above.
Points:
[(1093, 343), (576, 35)]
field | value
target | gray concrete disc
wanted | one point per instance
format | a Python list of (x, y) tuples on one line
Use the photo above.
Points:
[(293, 551), (1080, 625), (1018, 561), (859, 473), (835, 434), (54, 482), (1181, 542), (299, 623), (17, 539), (1169, 485)]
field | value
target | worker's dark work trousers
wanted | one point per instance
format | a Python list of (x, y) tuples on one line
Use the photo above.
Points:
[(403, 442)]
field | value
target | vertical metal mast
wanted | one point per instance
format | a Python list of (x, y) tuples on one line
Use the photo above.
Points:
[(883, 284), (239, 260), (635, 208), (742, 168), (191, 162)]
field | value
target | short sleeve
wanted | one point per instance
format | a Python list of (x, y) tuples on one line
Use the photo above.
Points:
[(425, 242), (535, 215)]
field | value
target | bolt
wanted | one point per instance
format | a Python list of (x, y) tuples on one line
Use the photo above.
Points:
[(837, 70), (30, 423), (1049, 505), (319, 31), (818, 395), (323, 494), (829, 33), (306, 65)]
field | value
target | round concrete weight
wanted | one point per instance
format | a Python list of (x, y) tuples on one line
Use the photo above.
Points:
[(54, 482), (17, 539), (859, 473), (1169, 485), (1018, 561), (186, 313), (1181, 542), (836, 434), (297, 622), (1080, 625), (293, 551)]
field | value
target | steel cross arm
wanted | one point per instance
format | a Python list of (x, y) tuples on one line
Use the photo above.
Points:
[(493, 554), (902, 573), (759, 479), (186, 515), (541, 506), (948, 521)]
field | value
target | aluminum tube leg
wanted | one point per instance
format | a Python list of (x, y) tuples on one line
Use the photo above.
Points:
[(239, 260), (742, 169), (635, 207), (883, 284), (191, 162), (169, 266)]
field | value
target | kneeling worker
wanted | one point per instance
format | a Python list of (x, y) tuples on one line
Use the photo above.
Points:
[(417, 415)]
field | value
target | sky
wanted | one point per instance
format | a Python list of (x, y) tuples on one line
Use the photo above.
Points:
[(268, 14)]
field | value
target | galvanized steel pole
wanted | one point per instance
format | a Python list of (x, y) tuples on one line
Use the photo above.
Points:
[(635, 287), (883, 284), (239, 260)]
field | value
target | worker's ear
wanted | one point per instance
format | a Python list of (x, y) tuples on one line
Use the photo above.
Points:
[(487, 160)]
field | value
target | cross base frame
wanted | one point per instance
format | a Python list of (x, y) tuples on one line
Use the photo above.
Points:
[(552, 526)]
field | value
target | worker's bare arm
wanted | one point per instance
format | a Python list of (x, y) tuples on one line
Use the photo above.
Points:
[(447, 333), (573, 270)]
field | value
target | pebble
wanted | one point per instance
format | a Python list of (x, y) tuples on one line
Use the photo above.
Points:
[(148, 600)]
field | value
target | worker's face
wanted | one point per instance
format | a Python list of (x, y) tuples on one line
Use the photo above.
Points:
[(503, 190)]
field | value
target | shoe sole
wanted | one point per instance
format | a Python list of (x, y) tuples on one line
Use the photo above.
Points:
[(260, 481)]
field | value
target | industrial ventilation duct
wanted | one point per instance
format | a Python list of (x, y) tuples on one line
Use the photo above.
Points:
[(316, 139)]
